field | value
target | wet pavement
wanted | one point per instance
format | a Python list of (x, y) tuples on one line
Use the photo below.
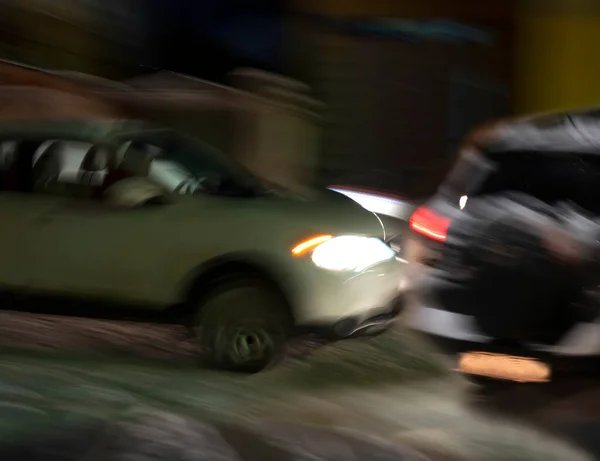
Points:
[(64, 370), (569, 407)]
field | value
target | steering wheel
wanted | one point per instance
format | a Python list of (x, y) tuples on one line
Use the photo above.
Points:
[(187, 186), (191, 185)]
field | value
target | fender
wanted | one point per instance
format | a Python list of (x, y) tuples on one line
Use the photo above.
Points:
[(240, 263)]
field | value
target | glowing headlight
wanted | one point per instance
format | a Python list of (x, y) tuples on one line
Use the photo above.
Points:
[(351, 253)]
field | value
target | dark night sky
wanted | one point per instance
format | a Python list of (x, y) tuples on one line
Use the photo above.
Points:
[(208, 38)]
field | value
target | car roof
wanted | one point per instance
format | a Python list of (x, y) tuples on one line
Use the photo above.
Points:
[(576, 132), (92, 130)]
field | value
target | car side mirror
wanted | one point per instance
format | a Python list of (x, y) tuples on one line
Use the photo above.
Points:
[(133, 193)]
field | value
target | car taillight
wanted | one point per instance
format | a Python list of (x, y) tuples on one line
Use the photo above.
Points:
[(430, 224)]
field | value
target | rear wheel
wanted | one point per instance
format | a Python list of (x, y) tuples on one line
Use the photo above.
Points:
[(243, 325)]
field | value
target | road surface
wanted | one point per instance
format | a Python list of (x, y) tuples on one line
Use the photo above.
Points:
[(56, 371)]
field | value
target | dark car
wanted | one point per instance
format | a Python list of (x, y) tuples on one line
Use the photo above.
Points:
[(537, 164)]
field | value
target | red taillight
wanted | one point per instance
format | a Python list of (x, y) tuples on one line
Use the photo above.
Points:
[(430, 224)]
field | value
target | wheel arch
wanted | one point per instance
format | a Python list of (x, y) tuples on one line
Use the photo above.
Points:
[(208, 275)]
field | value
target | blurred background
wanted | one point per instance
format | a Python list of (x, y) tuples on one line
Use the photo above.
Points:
[(365, 93), (400, 82)]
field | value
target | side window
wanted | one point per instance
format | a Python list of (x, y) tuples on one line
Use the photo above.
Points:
[(176, 165), (170, 173), (162, 164), (52, 166), (467, 174), (69, 168), (16, 162), (550, 178), (7, 154), (191, 168), (131, 159)]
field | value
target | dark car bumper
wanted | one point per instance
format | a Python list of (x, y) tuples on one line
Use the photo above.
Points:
[(577, 354), (561, 366)]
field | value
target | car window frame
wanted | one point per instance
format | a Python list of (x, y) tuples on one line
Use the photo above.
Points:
[(44, 141), (162, 137)]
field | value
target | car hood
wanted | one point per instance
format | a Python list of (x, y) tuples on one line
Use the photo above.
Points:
[(336, 212), (315, 212)]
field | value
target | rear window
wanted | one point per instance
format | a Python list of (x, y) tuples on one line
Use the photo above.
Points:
[(466, 175), (550, 178)]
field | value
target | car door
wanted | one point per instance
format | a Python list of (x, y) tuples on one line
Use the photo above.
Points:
[(22, 212), (87, 249), (22, 215)]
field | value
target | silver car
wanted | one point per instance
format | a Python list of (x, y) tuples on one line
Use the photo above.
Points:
[(130, 215)]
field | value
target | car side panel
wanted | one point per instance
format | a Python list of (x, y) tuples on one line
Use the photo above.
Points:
[(118, 255), (21, 216)]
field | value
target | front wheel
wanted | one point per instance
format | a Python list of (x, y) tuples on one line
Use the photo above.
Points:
[(243, 326)]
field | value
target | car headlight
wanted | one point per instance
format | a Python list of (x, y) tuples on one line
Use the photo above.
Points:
[(345, 253)]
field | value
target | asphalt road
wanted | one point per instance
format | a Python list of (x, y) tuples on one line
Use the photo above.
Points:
[(569, 407), (61, 371)]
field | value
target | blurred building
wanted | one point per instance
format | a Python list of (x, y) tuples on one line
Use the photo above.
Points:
[(402, 81), (98, 37), (401, 93), (556, 46)]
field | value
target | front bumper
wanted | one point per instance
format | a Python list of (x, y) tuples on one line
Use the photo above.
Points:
[(328, 297), (371, 323)]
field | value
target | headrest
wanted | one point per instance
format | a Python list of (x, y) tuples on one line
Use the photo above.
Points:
[(48, 167), (136, 160), (96, 159)]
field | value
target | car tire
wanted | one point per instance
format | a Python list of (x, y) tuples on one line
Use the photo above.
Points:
[(243, 325)]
